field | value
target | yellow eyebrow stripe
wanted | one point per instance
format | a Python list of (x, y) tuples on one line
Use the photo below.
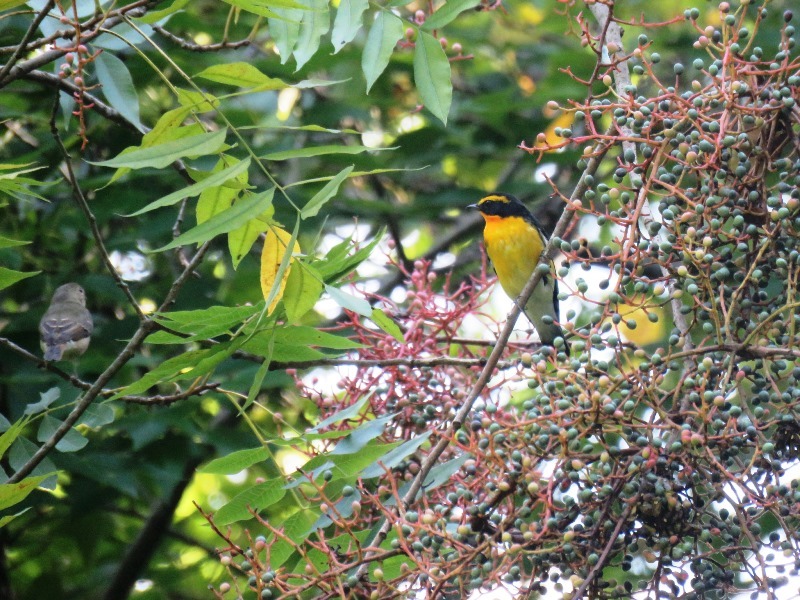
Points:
[(493, 198)]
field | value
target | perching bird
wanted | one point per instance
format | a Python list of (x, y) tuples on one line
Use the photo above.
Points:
[(514, 241), (67, 325)]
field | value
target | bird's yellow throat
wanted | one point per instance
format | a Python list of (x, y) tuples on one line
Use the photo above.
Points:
[(514, 246)]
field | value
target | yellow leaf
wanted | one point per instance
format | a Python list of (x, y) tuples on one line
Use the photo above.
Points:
[(561, 121), (646, 332), (275, 245)]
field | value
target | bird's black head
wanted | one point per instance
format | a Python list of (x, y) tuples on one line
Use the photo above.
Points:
[(501, 205)]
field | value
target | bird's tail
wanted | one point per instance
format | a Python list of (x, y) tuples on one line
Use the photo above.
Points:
[(542, 311), (549, 332), (52, 353)]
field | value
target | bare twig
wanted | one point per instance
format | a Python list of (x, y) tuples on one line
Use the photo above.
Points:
[(193, 47), (159, 399)]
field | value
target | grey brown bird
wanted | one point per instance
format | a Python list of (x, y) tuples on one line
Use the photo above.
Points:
[(67, 325)]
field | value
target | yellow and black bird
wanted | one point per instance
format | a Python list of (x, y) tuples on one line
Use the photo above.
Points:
[(514, 241), (67, 325)]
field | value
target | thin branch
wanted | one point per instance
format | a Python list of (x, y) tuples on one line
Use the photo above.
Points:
[(193, 47), (160, 400), (433, 361), (80, 199), (21, 47), (601, 564), (140, 552), (67, 86)]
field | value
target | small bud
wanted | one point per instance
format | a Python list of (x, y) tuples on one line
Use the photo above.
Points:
[(457, 48)]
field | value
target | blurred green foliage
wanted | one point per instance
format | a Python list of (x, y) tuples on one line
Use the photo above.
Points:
[(513, 60)]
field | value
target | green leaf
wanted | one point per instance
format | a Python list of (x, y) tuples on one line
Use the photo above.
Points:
[(154, 16), (266, 8), (438, 476), (352, 174), (14, 493), (241, 74), (432, 75), (208, 322), (362, 435), (197, 102), (257, 498), (45, 400), (315, 83), (22, 450), (241, 239), (395, 456), (216, 179), (8, 518), (383, 36), (284, 28), (6, 4), (225, 221), (314, 128), (9, 243), (302, 335), (343, 508), (382, 320), (347, 22), (319, 199), (118, 87), (296, 528), (351, 412), (97, 415), (303, 289), (282, 353), (71, 442), (336, 266), (9, 277), (163, 155), (11, 434), (188, 365), (350, 302), (314, 25), (319, 151), (255, 386), (215, 199), (235, 461), (447, 12)]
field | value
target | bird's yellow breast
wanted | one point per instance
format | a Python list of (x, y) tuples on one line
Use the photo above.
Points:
[(514, 247)]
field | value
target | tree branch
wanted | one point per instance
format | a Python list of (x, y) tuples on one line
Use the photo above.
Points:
[(146, 543), (22, 46)]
